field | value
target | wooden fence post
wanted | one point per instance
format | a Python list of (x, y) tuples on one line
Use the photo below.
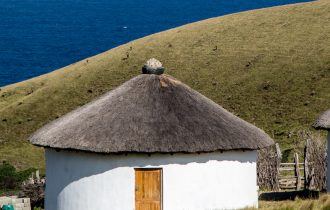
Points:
[(278, 163), (297, 171), (306, 168), (278, 152)]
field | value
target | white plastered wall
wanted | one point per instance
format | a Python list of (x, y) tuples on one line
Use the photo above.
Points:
[(86, 181)]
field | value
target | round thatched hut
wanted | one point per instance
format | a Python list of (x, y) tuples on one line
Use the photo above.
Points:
[(153, 143), (323, 122)]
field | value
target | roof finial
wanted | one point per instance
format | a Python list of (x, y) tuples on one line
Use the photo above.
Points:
[(153, 66)]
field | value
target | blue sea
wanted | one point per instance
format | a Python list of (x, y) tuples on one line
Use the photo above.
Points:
[(39, 36)]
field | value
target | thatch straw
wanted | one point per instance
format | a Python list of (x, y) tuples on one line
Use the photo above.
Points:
[(151, 113), (323, 122)]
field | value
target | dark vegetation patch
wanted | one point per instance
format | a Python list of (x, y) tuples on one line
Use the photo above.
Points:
[(11, 179)]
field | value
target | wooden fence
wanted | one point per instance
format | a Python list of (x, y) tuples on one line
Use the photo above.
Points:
[(291, 175), (310, 173)]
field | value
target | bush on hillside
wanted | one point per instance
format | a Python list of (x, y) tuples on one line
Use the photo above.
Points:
[(25, 174), (7, 176), (10, 178)]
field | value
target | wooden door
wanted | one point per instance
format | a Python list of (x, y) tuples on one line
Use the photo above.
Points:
[(148, 191)]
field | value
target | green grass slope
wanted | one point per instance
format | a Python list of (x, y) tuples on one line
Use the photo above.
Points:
[(271, 67)]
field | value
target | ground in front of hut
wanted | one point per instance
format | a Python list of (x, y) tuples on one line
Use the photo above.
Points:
[(323, 203)]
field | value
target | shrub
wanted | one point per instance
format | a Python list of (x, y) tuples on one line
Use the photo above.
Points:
[(25, 174), (10, 178), (7, 176)]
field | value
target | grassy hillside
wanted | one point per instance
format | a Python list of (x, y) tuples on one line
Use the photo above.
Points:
[(271, 67)]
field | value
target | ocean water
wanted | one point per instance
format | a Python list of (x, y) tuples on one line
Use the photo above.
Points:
[(39, 36)]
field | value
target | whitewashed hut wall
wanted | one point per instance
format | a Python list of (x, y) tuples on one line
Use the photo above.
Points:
[(78, 180)]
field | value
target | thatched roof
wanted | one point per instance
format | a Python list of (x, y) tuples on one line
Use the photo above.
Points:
[(151, 113), (323, 122)]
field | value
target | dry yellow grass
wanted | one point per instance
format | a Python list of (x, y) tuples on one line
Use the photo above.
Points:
[(323, 203)]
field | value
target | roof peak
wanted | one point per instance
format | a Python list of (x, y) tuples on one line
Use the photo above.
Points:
[(153, 66)]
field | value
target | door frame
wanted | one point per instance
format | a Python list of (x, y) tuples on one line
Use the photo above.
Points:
[(161, 182)]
